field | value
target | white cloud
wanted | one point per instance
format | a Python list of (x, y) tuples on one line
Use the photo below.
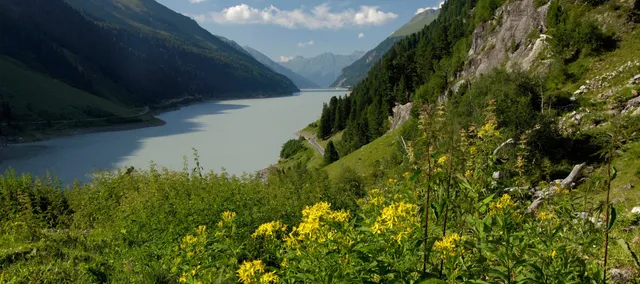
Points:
[(319, 17), (196, 1), (303, 44), (360, 35), (420, 10), (286, 58)]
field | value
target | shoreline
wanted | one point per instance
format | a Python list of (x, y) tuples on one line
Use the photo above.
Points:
[(153, 122), (45, 136)]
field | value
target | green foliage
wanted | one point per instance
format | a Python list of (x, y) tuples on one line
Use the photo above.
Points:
[(292, 147), (574, 35), (330, 153)]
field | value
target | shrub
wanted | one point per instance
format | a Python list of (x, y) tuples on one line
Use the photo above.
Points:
[(292, 147)]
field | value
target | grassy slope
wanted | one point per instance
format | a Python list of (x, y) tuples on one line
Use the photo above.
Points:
[(416, 24), (31, 94), (365, 159)]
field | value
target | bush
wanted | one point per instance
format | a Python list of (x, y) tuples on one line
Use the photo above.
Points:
[(292, 147)]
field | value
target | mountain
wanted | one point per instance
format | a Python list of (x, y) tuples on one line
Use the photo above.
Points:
[(322, 69), (300, 81), (132, 53), (357, 71)]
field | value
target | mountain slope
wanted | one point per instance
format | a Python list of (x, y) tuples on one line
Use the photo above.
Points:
[(122, 59), (230, 67), (322, 69), (357, 71), (300, 81)]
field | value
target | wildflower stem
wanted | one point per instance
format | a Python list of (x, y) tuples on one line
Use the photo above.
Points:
[(426, 210), (607, 210), (448, 190)]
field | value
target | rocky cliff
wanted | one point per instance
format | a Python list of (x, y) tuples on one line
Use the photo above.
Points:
[(515, 37)]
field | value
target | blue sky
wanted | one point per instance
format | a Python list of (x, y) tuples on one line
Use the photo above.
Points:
[(286, 28)]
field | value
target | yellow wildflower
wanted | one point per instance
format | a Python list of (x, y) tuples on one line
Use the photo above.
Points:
[(228, 216), (468, 174), (488, 130), (201, 229), (183, 278), (313, 227), (553, 254), (249, 270), (339, 216), (285, 263), (188, 240), (442, 160), (543, 215), (377, 201), (269, 229), (473, 150), (269, 277), (447, 246), (377, 228), (400, 217), (406, 175), (499, 206), (391, 181)]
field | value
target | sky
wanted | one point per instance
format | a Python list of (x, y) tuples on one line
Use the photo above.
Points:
[(283, 29)]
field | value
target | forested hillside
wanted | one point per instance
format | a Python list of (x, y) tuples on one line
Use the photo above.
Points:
[(424, 66), (357, 71), (125, 62)]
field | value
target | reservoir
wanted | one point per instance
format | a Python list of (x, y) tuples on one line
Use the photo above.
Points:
[(237, 135)]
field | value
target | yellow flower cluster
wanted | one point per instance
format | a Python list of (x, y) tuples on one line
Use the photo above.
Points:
[(447, 246), (489, 130), (188, 240), (375, 197), (269, 277), (249, 270), (501, 205), (313, 227), (391, 181), (227, 218), (442, 160), (543, 215), (399, 217), (268, 230)]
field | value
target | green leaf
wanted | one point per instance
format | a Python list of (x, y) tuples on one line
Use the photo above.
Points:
[(612, 218), (436, 212), (415, 175), (614, 175), (625, 245)]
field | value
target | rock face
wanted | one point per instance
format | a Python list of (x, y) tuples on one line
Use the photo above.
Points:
[(401, 113), (506, 38)]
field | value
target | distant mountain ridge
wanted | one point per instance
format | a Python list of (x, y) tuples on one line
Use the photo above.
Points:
[(300, 81), (357, 71), (322, 69)]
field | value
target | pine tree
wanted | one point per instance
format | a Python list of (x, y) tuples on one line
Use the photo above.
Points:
[(330, 153), (324, 128)]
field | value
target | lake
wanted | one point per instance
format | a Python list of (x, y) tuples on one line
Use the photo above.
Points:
[(237, 135)]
